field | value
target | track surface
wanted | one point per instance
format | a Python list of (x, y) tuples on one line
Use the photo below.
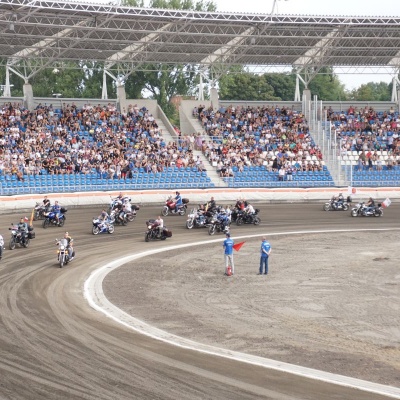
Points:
[(54, 346)]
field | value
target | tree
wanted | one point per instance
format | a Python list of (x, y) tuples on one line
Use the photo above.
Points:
[(162, 81), (372, 91), (245, 86), (327, 86), (284, 85)]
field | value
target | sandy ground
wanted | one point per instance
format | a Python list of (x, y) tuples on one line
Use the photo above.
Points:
[(330, 301), (310, 310)]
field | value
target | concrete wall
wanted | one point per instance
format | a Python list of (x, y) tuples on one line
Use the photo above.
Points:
[(294, 105), (336, 105), (186, 112), (376, 105), (198, 196), (161, 116)]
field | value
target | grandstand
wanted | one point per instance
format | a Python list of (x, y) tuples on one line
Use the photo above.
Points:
[(213, 41)]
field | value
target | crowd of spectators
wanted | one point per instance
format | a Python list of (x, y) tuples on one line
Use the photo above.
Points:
[(366, 130), (92, 139), (273, 137)]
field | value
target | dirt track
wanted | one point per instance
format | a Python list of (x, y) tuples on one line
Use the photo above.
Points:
[(53, 345)]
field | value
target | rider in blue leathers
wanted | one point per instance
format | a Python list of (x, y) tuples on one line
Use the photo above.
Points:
[(178, 201), (338, 201), (56, 209)]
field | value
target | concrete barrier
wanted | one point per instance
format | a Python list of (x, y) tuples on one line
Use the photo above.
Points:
[(197, 196)]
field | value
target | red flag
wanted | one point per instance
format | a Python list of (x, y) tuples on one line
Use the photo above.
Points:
[(238, 246)]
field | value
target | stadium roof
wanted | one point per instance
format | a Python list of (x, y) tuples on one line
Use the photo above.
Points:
[(59, 31)]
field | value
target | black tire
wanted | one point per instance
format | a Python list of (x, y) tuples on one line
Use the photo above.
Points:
[(61, 222), (111, 229), (35, 216), (61, 263), (12, 244), (378, 213), (189, 224), (163, 237), (95, 230), (124, 222), (239, 221), (211, 230), (130, 217), (182, 211), (46, 223), (326, 207), (354, 213), (26, 243), (345, 207), (257, 221), (147, 237), (164, 211)]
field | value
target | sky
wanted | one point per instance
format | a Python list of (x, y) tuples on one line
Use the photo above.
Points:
[(376, 8)]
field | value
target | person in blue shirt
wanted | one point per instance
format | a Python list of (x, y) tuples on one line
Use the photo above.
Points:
[(178, 201), (265, 252), (228, 250), (57, 210)]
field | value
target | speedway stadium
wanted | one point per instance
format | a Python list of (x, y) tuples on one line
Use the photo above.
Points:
[(134, 320)]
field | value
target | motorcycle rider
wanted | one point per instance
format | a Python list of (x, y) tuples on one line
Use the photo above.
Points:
[(46, 203), (239, 204), (56, 209), (249, 210), (118, 209), (211, 205), (69, 245), (1, 246), (369, 206), (104, 219), (224, 220), (159, 225), (178, 201), (126, 208), (23, 228), (338, 201)]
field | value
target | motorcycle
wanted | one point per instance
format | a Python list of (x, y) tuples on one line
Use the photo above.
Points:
[(118, 218), (197, 220), (245, 218), (1, 246), (17, 238), (130, 216), (115, 204), (50, 218), (169, 207), (102, 227), (62, 252), (332, 205), (361, 210), (153, 233), (217, 225), (39, 211)]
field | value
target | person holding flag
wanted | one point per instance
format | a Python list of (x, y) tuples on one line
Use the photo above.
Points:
[(228, 250), (265, 252)]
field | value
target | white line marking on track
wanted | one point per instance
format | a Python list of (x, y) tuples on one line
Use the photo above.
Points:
[(93, 292)]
